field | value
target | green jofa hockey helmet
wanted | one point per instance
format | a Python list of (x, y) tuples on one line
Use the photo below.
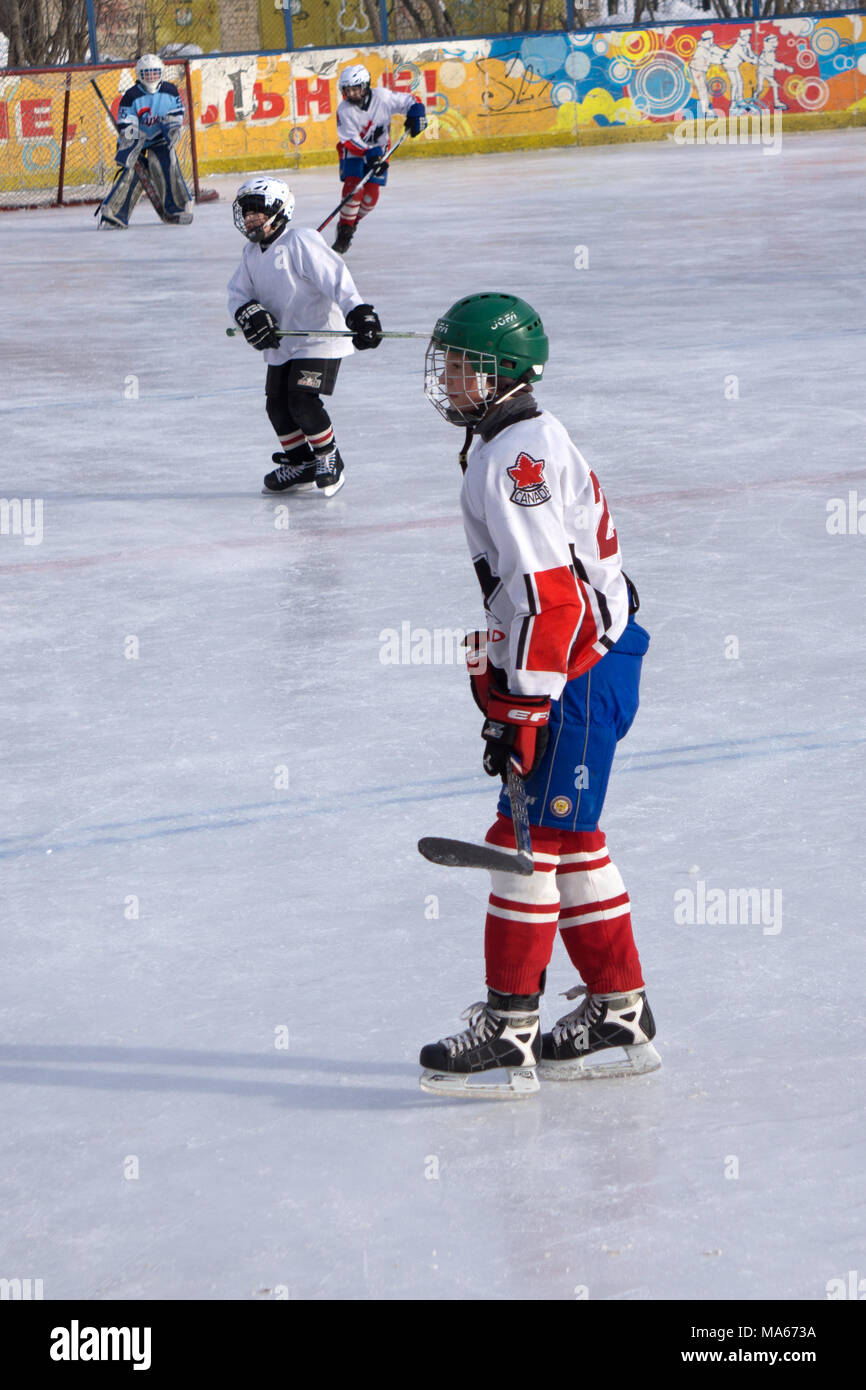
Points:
[(483, 349)]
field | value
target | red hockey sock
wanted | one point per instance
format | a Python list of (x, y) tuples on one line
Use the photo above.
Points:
[(595, 915), (522, 916)]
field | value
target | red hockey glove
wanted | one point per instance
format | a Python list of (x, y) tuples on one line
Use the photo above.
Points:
[(515, 729), (477, 667)]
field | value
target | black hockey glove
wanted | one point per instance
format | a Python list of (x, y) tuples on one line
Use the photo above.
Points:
[(366, 328), (258, 325)]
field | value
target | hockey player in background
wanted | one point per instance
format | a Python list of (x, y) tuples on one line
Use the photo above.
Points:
[(289, 278), (149, 121), (364, 138), (558, 686)]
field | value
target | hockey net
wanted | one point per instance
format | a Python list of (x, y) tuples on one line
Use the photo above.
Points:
[(57, 143)]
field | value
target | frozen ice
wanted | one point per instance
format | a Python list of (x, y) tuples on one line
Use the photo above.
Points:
[(214, 784)]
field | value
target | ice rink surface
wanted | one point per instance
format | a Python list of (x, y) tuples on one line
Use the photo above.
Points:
[(214, 785)]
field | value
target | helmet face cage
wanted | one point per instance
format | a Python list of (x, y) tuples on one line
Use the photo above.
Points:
[(459, 383), (148, 71), (356, 76), (266, 198)]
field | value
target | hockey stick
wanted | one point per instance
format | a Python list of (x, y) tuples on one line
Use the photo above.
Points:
[(358, 186), (181, 218), (324, 333), (460, 854)]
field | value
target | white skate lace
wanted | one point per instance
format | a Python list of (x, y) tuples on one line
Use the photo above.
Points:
[(587, 1012), (481, 1027), (288, 472)]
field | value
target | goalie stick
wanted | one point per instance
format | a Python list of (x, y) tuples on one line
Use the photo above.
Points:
[(460, 854), (358, 186), (180, 219)]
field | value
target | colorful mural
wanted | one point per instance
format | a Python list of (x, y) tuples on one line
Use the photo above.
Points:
[(486, 93), (279, 110)]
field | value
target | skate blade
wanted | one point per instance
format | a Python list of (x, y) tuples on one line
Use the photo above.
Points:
[(332, 489), (288, 491), (521, 1082), (628, 1061)]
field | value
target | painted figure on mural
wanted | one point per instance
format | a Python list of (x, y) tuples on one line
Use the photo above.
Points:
[(768, 65), (364, 138), (149, 121), (740, 52), (707, 54)]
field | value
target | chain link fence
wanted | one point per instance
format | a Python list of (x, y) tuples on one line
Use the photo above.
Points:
[(36, 33)]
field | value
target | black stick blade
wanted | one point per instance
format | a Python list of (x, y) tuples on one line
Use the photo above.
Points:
[(459, 854)]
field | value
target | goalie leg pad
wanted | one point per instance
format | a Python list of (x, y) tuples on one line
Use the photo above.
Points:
[(118, 205), (168, 181)]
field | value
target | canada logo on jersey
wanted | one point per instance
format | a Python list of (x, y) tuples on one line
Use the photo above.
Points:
[(530, 489)]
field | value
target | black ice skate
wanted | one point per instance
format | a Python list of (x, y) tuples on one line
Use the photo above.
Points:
[(606, 1035), (329, 470), (343, 239), (295, 477), (503, 1033)]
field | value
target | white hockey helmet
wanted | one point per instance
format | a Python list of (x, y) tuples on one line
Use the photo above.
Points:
[(355, 76), (148, 71), (270, 196), (707, 34)]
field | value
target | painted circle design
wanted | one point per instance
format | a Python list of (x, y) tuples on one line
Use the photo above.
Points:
[(825, 41), (452, 74), (32, 148), (806, 58), (794, 85), (600, 44), (544, 55), (639, 44), (619, 70), (819, 93), (577, 65), (415, 73), (685, 45), (562, 92), (580, 40), (661, 85), (297, 135), (861, 63), (842, 62)]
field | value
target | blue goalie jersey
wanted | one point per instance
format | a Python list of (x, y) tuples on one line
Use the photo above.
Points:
[(155, 115)]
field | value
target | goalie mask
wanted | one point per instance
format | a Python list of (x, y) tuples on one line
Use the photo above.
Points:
[(358, 79), (483, 350), (271, 198), (148, 72)]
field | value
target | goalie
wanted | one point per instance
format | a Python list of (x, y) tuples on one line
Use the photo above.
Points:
[(149, 121)]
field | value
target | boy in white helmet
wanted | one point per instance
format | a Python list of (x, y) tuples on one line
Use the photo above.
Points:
[(289, 278), (149, 121), (364, 133)]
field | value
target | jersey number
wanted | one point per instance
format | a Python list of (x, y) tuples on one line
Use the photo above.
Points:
[(605, 533)]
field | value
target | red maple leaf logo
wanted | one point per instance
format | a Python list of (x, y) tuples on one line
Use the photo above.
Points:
[(527, 472)]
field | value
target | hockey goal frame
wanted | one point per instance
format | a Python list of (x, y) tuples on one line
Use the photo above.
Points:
[(55, 177)]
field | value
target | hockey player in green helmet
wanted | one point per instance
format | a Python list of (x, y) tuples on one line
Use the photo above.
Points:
[(556, 677)]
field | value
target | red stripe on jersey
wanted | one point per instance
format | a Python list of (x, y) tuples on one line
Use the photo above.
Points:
[(560, 614), (350, 148), (621, 901)]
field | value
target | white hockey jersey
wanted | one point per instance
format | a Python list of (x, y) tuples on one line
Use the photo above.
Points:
[(304, 284), (359, 130), (546, 554)]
